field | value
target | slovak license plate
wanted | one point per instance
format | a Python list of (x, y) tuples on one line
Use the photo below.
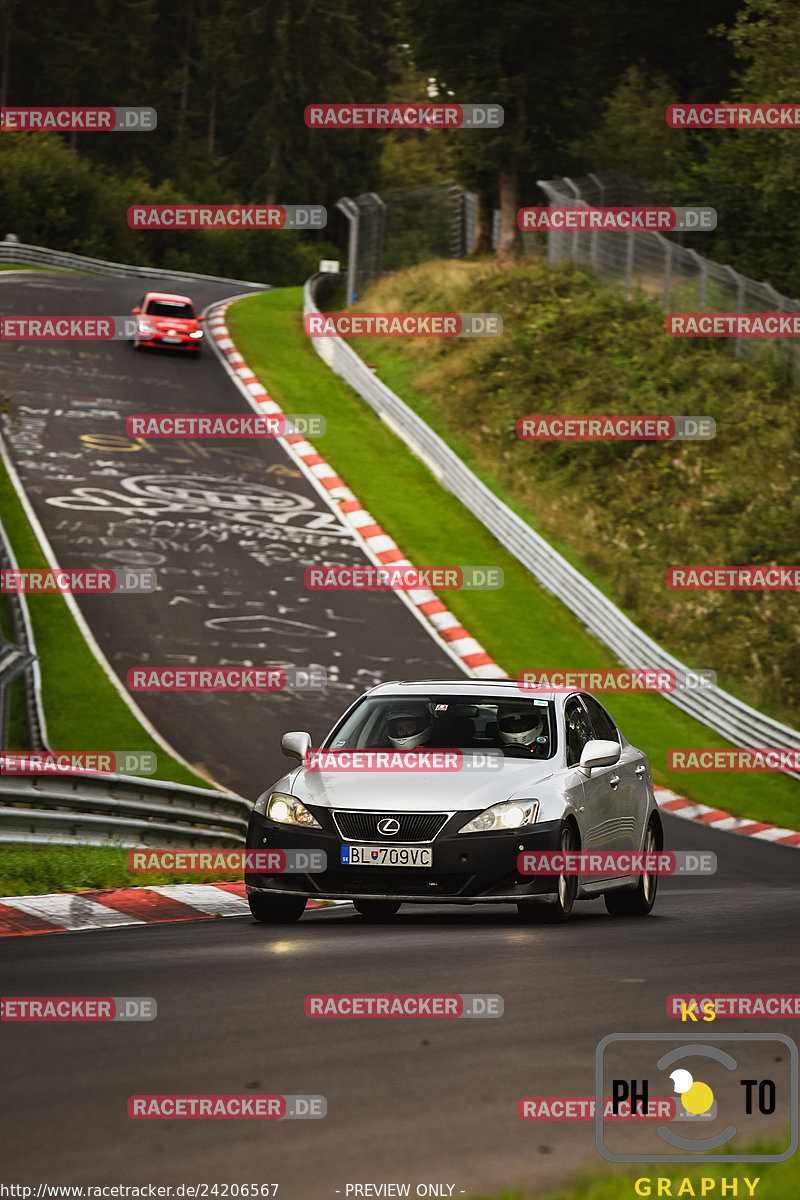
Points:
[(387, 856)]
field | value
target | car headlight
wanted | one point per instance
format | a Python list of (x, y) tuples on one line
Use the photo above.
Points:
[(511, 814), (286, 810), (196, 333), (146, 327)]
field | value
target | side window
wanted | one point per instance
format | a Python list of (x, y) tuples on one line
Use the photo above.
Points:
[(603, 725), (579, 730)]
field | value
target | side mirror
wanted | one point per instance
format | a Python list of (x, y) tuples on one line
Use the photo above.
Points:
[(598, 753), (201, 318), (137, 310), (296, 745)]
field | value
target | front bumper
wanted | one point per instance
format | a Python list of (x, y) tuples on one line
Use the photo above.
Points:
[(467, 869)]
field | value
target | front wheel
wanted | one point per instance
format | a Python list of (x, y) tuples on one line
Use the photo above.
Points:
[(276, 910), (377, 910), (636, 902), (533, 913)]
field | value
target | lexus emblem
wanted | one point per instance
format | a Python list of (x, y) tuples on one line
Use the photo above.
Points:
[(389, 826)]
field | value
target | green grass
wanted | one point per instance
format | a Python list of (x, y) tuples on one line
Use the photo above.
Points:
[(82, 708), (521, 626), (777, 1181), (30, 267), (39, 870)]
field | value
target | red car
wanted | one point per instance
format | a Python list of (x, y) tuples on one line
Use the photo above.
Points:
[(166, 320)]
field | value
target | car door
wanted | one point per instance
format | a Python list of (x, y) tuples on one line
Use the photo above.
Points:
[(630, 794), (598, 812)]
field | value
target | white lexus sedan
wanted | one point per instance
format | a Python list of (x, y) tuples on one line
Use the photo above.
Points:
[(429, 792)]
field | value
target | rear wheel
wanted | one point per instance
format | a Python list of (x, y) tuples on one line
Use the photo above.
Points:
[(534, 913), (377, 910), (276, 910), (639, 901)]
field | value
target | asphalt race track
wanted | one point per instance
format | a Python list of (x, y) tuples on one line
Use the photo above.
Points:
[(229, 526), (409, 1101)]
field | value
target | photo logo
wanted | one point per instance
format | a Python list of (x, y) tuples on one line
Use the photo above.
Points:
[(717, 1082)]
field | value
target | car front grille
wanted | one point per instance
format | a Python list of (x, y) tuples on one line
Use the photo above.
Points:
[(380, 881), (414, 827)]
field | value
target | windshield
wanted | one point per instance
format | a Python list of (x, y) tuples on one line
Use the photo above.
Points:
[(520, 728), (169, 308)]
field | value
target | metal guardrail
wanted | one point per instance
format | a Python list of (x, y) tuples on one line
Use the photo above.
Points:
[(23, 637), (118, 810), (111, 809), (715, 708), (18, 252)]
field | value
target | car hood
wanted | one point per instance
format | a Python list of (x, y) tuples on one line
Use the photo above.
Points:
[(419, 791)]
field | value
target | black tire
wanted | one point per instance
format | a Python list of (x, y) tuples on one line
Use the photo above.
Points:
[(276, 910), (535, 913), (638, 901), (377, 910)]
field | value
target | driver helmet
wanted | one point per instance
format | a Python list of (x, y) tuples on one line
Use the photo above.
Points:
[(519, 725), (409, 726)]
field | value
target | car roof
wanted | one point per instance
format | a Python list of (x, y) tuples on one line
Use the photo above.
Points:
[(167, 296), (457, 687)]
